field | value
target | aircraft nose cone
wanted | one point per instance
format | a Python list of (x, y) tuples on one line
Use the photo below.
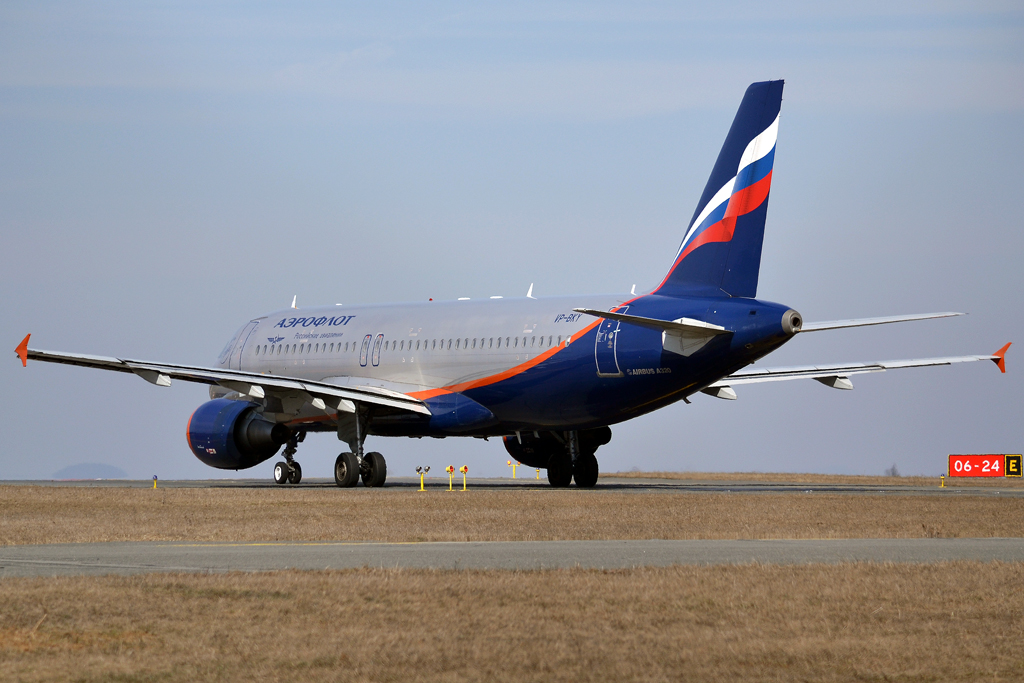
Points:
[(792, 322)]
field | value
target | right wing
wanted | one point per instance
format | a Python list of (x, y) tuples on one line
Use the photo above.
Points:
[(318, 394), (837, 376)]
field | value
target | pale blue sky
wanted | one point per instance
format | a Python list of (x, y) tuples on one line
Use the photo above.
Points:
[(171, 170)]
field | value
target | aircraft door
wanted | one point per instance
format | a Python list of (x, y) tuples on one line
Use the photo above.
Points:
[(376, 349), (236, 356), (605, 347), (364, 350)]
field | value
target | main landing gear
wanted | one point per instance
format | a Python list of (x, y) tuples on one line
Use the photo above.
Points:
[(289, 471), (354, 465), (576, 461)]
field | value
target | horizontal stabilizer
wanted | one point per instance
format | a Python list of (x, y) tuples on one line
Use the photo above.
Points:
[(682, 325), (865, 322)]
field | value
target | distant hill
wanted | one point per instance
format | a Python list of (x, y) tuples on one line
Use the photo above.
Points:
[(90, 470)]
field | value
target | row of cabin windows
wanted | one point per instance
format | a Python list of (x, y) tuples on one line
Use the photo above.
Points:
[(431, 345)]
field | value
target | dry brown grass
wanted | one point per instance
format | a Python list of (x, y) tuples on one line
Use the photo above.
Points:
[(822, 479), (72, 514), (952, 621)]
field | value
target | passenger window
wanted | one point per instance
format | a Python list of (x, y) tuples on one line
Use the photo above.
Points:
[(533, 341), (332, 349), (449, 344), (549, 341), (474, 342), (401, 345), (515, 344), (506, 342), (457, 342), (559, 340), (417, 344), (490, 344)]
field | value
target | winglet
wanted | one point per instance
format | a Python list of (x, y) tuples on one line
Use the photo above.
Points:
[(999, 357), (22, 351)]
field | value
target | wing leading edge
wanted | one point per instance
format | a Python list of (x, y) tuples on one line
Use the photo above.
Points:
[(319, 394)]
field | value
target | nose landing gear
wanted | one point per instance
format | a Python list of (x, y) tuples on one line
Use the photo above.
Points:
[(289, 471)]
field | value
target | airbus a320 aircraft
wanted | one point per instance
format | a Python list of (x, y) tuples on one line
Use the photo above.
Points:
[(548, 375)]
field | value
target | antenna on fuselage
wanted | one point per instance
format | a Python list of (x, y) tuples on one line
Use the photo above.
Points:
[(529, 294), (293, 301), (633, 290)]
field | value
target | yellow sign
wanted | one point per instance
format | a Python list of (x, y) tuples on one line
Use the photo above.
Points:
[(1013, 466)]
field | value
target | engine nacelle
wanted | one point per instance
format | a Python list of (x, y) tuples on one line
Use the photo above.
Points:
[(232, 435), (534, 451)]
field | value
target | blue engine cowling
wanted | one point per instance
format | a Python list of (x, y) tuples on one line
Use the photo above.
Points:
[(534, 449), (232, 435)]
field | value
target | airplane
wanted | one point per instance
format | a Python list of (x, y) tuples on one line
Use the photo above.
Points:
[(547, 375)]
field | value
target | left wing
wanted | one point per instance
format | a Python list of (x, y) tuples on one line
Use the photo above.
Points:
[(838, 375), (318, 394)]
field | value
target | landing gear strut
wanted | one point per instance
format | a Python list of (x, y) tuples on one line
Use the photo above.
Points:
[(289, 471)]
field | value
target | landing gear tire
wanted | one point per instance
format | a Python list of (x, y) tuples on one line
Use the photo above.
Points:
[(346, 470), (296, 475), (376, 470), (560, 470), (585, 471), (282, 473)]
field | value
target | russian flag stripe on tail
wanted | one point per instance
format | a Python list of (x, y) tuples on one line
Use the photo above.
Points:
[(722, 247)]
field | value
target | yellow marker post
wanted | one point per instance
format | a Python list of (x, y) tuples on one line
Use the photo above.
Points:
[(423, 472), (451, 475), (538, 474), (513, 465), (464, 469), (942, 481), (154, 481)]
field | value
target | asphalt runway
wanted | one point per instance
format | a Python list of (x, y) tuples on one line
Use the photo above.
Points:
[(627, 485), (143, 557)]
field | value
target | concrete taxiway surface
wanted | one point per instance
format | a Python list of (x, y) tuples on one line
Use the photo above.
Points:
[(627, 485), (137, 558)]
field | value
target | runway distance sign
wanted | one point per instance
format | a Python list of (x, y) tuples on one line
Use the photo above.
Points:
[(992, 465)]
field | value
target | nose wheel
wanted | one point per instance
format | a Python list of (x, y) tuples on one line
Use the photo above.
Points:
[(289, 471)]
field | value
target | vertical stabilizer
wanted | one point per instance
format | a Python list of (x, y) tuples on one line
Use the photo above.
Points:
[(722, 246)]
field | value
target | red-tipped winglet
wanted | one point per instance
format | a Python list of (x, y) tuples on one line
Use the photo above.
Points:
[(22, 351), (999, 357)]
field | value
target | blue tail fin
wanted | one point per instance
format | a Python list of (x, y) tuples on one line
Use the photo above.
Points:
[(722, 246)]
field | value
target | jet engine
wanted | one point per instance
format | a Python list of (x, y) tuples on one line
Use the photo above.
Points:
[(232, 435), (534, 449)]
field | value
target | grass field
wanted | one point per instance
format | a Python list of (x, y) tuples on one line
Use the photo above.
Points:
[(79, 514), (955, 621), (841, 479)]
